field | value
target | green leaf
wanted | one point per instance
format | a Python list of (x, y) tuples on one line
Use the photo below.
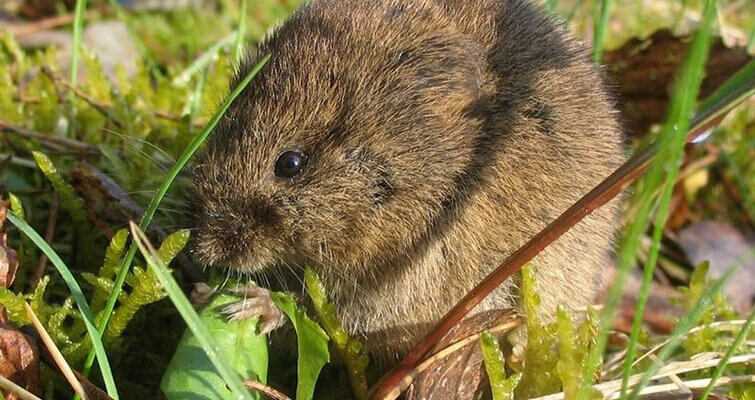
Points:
[(539, 375), (68, 197), (240, 34), (203, 335), (113, 254), (14, 305), (15, 206), (190, 373), (501, 386), (312, 345), (145, 285), (172, 245), (349, 349), (204, 60)]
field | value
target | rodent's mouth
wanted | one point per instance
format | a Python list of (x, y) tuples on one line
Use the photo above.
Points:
[(243, 260), (246, 263)]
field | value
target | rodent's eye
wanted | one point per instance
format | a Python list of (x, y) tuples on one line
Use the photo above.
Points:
[(289, 164)]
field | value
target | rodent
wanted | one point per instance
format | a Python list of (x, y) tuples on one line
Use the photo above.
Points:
[(403, 149)]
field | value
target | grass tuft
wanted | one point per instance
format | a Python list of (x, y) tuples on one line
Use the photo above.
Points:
[(662, 174), (741, 336), (79, 299)]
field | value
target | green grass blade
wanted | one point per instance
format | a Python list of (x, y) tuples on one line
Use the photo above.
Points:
[(550, 6), (600, 29), (736, 89), (203, 60), (741, 336), (680, 331), (240, 34), (670, 158), (194, 323), (158, 196), (78, 25), (663, 171), (78, 298)]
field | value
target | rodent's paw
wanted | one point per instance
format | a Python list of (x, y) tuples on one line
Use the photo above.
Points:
[(256, 303)]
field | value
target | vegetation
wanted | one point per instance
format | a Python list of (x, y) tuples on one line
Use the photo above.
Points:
[(86, 148)]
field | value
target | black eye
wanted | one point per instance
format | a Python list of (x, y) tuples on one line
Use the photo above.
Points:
[(290, 164)]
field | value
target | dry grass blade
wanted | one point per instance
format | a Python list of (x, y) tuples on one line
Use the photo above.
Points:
[(266, 390), (722, 325), (671, 387), (615, 364), (611, 389), (11, 387), (56, 142), (57, 356)]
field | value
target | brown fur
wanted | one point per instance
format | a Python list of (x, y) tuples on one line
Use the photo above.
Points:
[(441, 135)]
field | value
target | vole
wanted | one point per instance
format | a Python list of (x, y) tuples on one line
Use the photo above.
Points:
[(403, 149)]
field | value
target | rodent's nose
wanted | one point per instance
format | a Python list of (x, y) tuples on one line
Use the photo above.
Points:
[(260, 212), (235, 229)]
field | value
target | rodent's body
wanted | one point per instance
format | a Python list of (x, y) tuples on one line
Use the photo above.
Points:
[(439, 135)]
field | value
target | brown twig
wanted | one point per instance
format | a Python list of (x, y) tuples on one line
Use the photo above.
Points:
[(52, 219), (55, 142), (266, 390), (47, 24), (104, 108), (600, 195)]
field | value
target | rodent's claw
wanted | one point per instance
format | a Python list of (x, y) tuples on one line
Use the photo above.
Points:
[(256, 303)]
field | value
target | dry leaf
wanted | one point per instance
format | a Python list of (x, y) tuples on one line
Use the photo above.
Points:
[(92, 391), (104, 196), (19, 359), (8, 258), (725, 247), (461, 375), (41, 8), (643, 70)]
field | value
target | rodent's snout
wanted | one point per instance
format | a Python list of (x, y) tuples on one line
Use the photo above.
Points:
[(238, 234)]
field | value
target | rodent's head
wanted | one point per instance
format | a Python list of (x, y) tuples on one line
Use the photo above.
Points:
[(344, 149)]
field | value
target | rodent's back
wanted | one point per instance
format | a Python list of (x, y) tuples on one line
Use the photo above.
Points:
[(441, 135), (548, 134)]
